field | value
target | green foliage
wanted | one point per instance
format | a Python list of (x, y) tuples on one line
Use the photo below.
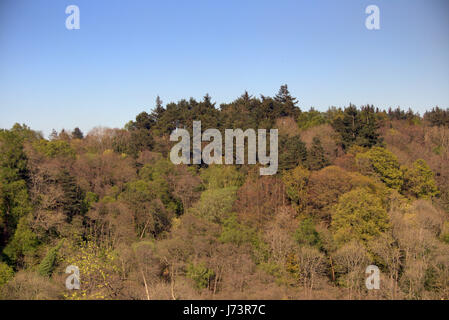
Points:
[(23, 243), (107, 199), (90, 199), (160, 168), (6, 273), (150, 203), (137, 191), (54, 148), (232, 235), (221, 176), (25, 133), (235, 232), (14, 197), (47, 265), (306, 234), (310, 119), (156, 176), (381, 163), (200, 274), (16, 203), (215, 205), (13, 161), (419, 180), (359, 215)]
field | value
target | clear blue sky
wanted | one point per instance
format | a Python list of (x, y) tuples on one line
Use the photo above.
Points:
[(127, 52)]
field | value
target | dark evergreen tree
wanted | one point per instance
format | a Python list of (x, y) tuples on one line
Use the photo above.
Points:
[(284, 96), (77, 133), (141, 139), (316, 157), (357, 127), (14, 176), (143, 121), (346, 126), (287, 103), (72, 199), (368, 126), (437, 117), (292, 152), (158, 111)]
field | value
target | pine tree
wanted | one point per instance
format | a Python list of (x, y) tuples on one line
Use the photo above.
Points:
[(288, 103), (77, 133), (47, 265), (316, 157), (143, 121), (284, 96), (357, 127), (72, 200), (158, 111), (292, 153)]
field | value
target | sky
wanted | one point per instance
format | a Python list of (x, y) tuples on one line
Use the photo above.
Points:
[(128, 52)]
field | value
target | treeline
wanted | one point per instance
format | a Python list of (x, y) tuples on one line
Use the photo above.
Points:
[(356, 186)]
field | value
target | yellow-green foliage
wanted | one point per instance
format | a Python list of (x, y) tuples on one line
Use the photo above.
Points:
[(296, 182), (310, 119), (359, 215), (420, 181), (235, 232), (6, 273), (54, 148), (383, 164), (221, 176), (98, 270), (47, 265), (23, 243), (215, 205), (200, 274)]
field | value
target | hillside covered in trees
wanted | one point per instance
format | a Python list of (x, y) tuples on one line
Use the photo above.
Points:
[(355, 186)]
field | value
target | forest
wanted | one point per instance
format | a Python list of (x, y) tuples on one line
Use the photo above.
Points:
[(356, 186)]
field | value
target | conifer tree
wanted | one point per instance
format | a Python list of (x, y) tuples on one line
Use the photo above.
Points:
[(47, 265), (292, 152), (288, 103), (316, 157), (77, 133), (158, 111)]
